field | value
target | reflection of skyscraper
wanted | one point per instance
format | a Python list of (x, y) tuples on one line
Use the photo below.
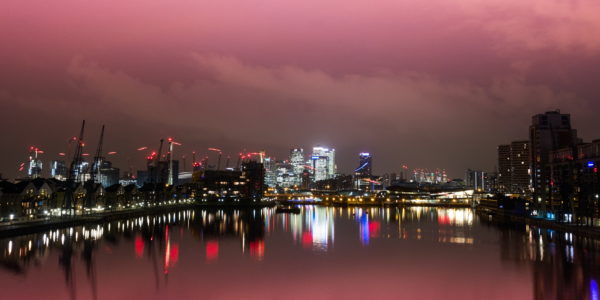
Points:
[(323, 161)]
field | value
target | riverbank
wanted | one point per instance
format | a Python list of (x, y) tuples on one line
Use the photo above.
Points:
[(38, 225), (499, 216), (378, 204)]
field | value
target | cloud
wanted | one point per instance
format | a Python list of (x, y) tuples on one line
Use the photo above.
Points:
[(398, 114), (563, 25)]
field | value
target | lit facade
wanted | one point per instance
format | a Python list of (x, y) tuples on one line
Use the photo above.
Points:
[(298, 163), (58, 170), (323, 163)]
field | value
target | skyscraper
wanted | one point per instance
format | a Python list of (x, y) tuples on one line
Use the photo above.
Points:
[(323, 161), (253, 173), (520, 167), (504, 168), (58, 170), (298, 164), (549, 131), (476, 180), (365, 165), (514, 174)]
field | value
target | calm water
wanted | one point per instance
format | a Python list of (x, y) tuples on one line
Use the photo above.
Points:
[(322, 253)]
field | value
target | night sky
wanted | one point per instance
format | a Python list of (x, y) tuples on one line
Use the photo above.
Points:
[(430, 84)]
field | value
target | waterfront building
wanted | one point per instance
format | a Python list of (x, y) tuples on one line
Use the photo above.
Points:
[(390, 179), (26, 198), (575, 184), (548, 132), (520, 170), (58, 170), (491, 181), (158, 172), (504, 168), (514, 174), (108, 175), (339, 183), (430, 177), (323, 163), (476, 180), (253, 173)]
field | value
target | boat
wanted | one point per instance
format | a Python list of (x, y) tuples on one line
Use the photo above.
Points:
[(287, 210)]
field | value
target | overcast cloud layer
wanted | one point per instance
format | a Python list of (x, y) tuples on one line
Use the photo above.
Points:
[(432, 84)]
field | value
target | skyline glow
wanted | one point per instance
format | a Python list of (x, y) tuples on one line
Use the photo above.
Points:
[(435, 84)]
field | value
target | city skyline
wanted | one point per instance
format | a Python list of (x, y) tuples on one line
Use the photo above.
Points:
[(133, 158), (231, 75)]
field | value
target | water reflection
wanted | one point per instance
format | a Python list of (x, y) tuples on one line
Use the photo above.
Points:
[(559, 265), (563, 266)]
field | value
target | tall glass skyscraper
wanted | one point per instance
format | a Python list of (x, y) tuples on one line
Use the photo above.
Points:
[(323, 163), (298, 164)]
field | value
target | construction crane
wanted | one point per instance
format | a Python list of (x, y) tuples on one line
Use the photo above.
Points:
[(71, 176), (195, 164), (172, 142), (227, 162), (98, 159), (155, 163), (240, 157), (220, 154), (35, 165)]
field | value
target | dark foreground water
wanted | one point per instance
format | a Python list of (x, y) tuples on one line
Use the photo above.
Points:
[(322, 253)]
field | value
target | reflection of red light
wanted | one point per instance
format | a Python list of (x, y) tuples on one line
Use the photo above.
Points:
[(257, 249), (374, 228), (174, 255), (444, 220), (139, 246), (212, 250), (307, 239)]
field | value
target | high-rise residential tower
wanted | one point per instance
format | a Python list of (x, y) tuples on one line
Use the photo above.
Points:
[(548, 132)]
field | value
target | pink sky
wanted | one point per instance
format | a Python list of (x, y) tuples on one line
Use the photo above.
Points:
[(427, 83)]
